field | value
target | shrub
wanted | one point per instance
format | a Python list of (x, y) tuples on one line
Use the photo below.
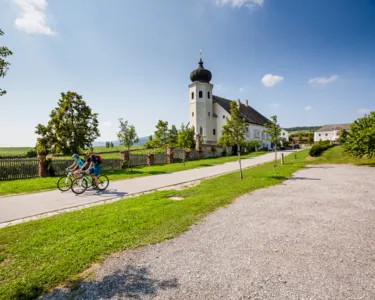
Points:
[(31, 153), (318, 148)]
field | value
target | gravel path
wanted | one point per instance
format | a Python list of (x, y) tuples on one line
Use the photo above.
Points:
[(312, 237)]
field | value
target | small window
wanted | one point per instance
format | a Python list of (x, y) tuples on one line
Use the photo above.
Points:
[(208, 95), (201, 131), (209, 114), (326, 134), (200, 94), (223, 117), (319, 134), (283, 133), (192, 95), (192, 114), (214, 131)]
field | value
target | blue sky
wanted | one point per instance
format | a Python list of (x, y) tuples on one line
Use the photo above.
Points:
[(308, 62)]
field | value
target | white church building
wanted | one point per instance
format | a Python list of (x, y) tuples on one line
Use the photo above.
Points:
[(208, 112)]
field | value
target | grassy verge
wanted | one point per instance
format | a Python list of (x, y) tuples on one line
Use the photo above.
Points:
[(335, 156), (49, 183), (39, 255)]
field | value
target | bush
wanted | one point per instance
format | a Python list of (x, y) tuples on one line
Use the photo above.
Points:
[(318, 148), (31, 153)]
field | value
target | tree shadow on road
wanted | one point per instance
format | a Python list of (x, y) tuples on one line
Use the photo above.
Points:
[(131, 282), (293, 178)]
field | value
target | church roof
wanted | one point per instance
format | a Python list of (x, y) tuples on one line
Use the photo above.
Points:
[(332, 127), (247, 112)]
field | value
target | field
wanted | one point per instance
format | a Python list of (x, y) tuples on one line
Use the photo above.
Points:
[(39, 255), (13, 151)]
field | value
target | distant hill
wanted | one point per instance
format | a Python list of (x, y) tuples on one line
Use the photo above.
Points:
[(303, 128), (142, 141)]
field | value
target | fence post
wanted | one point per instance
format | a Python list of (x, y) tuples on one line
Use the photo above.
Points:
[(150, 159), (42, 167), (124, 155), (282, 158), (169, 155)]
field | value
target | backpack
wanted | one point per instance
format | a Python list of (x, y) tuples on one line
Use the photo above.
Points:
[(99, 159)]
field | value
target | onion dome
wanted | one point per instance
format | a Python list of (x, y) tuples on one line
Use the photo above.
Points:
[(201, 74)]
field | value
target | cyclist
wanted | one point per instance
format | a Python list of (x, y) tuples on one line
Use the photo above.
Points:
[(77, 164), (95, 165)]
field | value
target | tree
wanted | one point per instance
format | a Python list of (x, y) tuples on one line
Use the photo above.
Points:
[(360, 139), (72, 127), (161, 134), (300, 137), (186, 139), (4, 65), (114, 145), (234, 131), (127, 134), (343, 134), (273, 130), (107, 144), (310, 138), (173, 136), (253, 145), (149, 143)]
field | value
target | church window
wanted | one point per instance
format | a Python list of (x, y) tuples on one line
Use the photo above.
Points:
[(223, 117), (214, 131), (192, 95), (209, 114), (201, 131), (208, 95), (192, 114), (200, 94)]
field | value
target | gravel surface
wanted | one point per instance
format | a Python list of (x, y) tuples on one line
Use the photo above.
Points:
[(312, 237)]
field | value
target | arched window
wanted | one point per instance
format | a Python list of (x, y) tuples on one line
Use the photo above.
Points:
[(201, 131), (200, 94), (214, 131), (192, 114), (192, 95), (208, 95)]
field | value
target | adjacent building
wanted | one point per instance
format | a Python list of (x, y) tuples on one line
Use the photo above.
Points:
[(208, 112), (330, 132)]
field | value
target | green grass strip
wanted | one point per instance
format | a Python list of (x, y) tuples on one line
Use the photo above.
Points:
[(22, 186), (39, 255)]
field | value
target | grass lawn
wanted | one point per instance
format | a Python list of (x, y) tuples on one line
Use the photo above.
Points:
[(13, 151), (49, 183), (334, 155), (39, 255)]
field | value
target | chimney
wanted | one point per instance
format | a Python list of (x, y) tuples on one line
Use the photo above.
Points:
[(246, 102), (238, 102)]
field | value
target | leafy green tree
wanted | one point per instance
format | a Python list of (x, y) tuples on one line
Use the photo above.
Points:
[(310, 138), (107, 144), (253, 145), (360, 139), (4, 65), (161, 134), (72, 127), (273, 130), (234, 131), (127, 134), (343, 134), (149, 143), (300, 138), (173, 136), (186, 139), (114, 145)]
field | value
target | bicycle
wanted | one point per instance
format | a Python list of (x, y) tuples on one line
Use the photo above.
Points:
[(65, 182), (82, 183)]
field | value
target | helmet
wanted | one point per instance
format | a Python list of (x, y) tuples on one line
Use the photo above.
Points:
[(75, 155), (88, 153)]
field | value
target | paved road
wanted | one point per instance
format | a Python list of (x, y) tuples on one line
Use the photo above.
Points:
[(23, 206), (312, 237)]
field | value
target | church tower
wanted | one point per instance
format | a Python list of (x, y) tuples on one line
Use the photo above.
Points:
[(200, 102)]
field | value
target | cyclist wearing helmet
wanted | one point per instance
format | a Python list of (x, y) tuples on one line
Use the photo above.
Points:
[(95, 165), (77, 164)]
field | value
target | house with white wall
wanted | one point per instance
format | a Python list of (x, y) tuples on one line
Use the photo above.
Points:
[(208, 112), (330, 132)]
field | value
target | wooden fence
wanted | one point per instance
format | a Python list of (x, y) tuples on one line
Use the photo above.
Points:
[(18, 168)]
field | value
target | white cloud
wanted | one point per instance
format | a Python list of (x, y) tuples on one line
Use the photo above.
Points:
[(364, 111), (240, 3), (107, 124), (307, 108), (241, 90), (218, 86), (323, 80), (32, 18), (270, 80)]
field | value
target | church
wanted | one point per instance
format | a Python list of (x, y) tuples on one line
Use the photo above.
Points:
[(208, 112)]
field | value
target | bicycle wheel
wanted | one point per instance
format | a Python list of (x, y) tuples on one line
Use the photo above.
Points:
[(103, 182), (89, 181), (64, 184), (79, 185)]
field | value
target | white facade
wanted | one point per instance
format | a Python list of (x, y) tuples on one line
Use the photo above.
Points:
[(332, 135)]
